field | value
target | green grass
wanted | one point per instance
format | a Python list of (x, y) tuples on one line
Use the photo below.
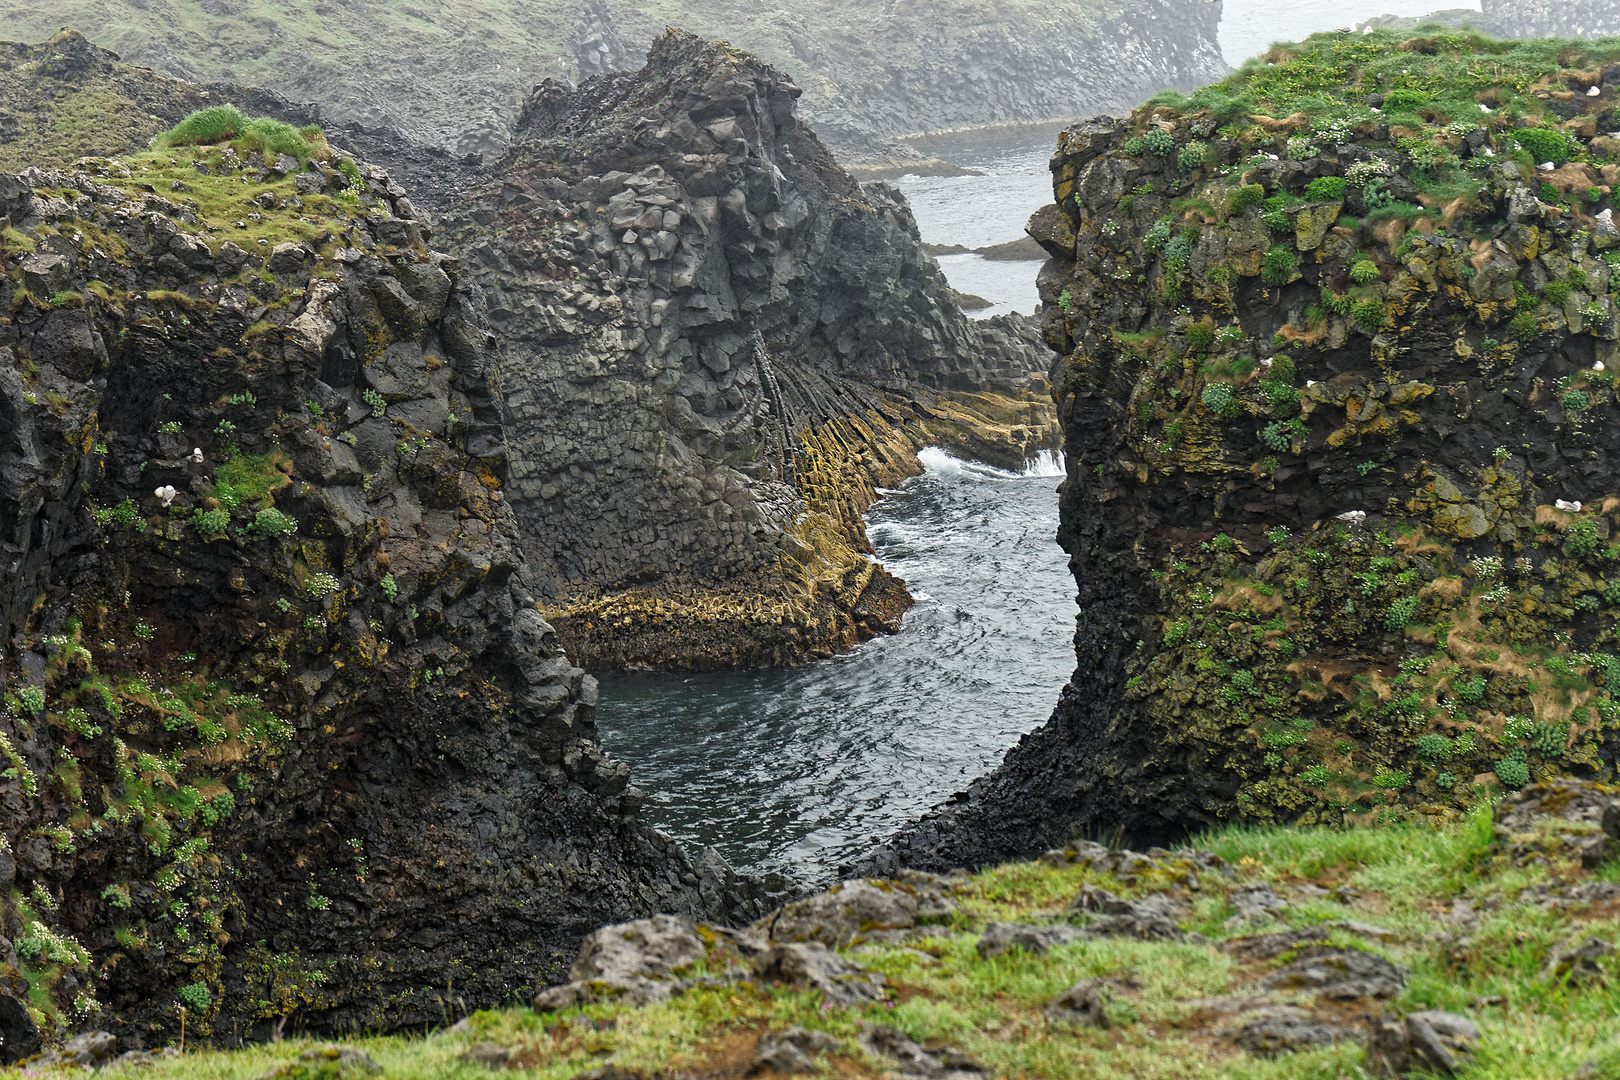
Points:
[(991, 1008), (219, 124), (1430, 78)]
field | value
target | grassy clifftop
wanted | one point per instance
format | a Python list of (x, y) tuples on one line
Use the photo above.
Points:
[(1235, 980)]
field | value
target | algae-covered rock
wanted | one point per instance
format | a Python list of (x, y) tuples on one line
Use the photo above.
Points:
[(1340, 497)]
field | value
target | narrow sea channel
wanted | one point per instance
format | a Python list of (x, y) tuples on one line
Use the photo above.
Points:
[(799, 770)]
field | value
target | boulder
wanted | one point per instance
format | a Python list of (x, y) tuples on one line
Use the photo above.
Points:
[(844, 913), (1578, 964), (636, 961), (811, 965), (1558, 821), (332, 1060), (1255, 905), (19, 1036), (908, 1057), (1266, 946), (1286, 1029)]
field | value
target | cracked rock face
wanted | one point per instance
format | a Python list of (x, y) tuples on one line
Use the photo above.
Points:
[(266, 610)]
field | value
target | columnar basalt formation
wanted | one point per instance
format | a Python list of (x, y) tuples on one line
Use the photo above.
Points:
[(716, 345), (1337, 393), (286, 733)]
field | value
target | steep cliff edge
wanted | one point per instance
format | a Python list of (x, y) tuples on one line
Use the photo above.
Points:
[(286, 734), (715, 346), (1338, 389)]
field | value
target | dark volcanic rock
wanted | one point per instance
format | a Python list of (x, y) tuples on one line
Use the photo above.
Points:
[(265, 606), (1307, 453), (715, 345)]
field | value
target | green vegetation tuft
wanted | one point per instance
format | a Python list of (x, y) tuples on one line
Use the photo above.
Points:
[(226, 124)]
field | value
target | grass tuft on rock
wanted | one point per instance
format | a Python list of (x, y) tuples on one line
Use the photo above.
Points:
[(227, 124)]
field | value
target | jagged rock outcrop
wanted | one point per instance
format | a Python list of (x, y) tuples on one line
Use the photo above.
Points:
[(1341, 492), (286, 733), (456, 79), (715, 345)]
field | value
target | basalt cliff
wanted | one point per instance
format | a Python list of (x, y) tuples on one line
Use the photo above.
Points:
[(1337, 378), (285, 735), (715, 346)]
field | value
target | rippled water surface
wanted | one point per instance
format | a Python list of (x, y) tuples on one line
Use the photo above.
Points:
[(797, 770), (977, 211)]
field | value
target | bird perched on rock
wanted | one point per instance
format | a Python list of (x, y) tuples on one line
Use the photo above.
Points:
[(196, 455), (166, 493), (1567, 506), (1354, 518)]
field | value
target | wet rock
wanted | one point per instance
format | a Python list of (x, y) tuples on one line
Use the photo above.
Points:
[(811, 965), (637, 962), (1286, 1029), (1435, 1041), (1255, 904), (1339, 974), (1081, 1005), (789, 1051), (998, 937)]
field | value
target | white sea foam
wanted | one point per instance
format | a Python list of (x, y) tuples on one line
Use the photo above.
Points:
[(937, 462)]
